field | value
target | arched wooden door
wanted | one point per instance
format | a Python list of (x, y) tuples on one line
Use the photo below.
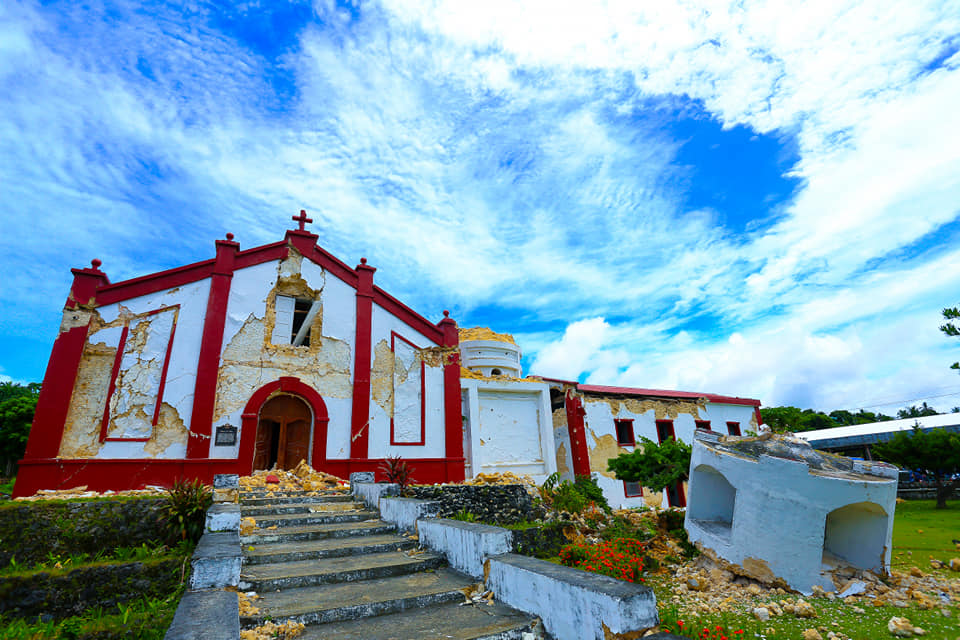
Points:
[(283, 433)]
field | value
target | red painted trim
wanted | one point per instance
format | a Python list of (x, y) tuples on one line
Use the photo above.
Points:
[(166, 366), (251, 416), (416, 321), (117, 475), (360, 414), (331, 263), (423, 397), (733, 428), (667, 430), (627, 494), (681, 495), (208, 364), (703, 425), (53, 404), (578, 435), (633, 437), (661, 393), (117, 360), (452, 398), (756, 412), (179, 276)]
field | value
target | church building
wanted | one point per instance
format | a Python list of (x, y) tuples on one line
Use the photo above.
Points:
[(269, 355)]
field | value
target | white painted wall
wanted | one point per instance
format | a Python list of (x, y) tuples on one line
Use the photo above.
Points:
[(510, 427), (783, 514), (407, 406), (182, 370)]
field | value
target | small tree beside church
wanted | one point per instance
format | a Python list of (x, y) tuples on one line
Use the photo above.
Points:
[(936, 452), (653, 465)]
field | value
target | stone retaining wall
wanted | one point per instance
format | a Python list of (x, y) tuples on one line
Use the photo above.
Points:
[(31, 532), (503, 504), (71, 593)]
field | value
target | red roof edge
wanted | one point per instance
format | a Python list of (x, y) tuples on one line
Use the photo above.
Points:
[(663, 393), (408, 315)]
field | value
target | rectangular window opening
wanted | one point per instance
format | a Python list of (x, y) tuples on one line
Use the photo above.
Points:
[(625, 436), (632, 489), (665, 430), (301, 310), (703, 425), (733, 428)]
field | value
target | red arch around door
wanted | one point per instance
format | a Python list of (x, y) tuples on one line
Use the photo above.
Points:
[(251, 413)]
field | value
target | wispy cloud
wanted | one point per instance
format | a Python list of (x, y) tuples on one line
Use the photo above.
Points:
[(747, 199)]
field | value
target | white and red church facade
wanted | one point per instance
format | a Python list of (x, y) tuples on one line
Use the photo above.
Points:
[(265, 356)]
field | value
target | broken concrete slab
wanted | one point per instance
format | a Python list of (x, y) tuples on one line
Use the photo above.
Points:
[(404, 512), (467, 545), (223, 517)]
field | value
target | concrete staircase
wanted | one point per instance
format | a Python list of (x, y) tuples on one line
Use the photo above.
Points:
[(333, 565)]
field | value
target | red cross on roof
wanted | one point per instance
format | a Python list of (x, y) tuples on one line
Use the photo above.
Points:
[(302, 218)]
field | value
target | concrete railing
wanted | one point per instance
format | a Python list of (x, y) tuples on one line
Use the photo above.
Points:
[(573, 604), (207, 611)]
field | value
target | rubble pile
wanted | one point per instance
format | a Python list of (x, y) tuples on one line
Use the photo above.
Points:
[(271, 631), (303, 477), (83, 492), (505, 478)]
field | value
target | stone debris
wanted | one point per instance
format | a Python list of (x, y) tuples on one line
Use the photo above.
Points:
[(303, 477), (812, 634), (272, 631), (761, 613), (477, 594), (954, 564), (83, 492), (247, 608), (484, 333), (903, 628), (247, 526)]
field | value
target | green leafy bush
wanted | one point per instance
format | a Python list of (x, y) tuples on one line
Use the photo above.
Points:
[(572, 497), (187, 504)]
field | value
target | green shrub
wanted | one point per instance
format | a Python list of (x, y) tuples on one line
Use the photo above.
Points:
[(187, 504)]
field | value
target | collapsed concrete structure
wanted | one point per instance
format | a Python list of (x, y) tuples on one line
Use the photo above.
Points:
[(786, 513)]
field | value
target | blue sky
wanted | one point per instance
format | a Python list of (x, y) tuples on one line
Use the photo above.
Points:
[(759, 199)]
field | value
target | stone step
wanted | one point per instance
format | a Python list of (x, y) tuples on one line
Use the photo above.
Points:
[(328, 548), (256, 511), (448, 621), (291, 575), (318, 532), (352, 600), (297, 499), (293, 493), (300, 519)]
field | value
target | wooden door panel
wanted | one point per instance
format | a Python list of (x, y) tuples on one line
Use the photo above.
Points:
[(298, 442), (261, 452)]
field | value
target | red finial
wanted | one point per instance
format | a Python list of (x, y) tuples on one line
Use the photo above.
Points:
[(230, 237), (302, 218), (363, 261), (446, 314), (95, 263)]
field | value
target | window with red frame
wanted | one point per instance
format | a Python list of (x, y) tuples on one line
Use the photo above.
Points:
[(632, 489), (665, 430), (625, 436), (733, 428), (703, 425)]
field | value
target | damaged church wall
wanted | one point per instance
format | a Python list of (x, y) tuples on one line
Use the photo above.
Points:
[(407, 390), (788, 514), (255, 352), (510, 427), (147, 328)]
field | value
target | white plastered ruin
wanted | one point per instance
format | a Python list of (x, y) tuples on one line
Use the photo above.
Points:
[(785, 512)]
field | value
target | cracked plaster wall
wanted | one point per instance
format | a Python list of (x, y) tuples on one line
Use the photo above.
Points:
[(390, 372), (602, 435), (250, 359), (134, 399), (561, 436)]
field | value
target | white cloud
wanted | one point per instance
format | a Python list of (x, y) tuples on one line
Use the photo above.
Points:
[(577, 351)]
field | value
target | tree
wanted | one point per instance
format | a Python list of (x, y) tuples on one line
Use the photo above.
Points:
[(17, 404), (916, 412), (951, 313), (936, 452), (653, 465)]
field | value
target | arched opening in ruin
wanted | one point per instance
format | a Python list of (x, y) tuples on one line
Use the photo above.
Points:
[(712, 501), (283, 433), (856, 535)]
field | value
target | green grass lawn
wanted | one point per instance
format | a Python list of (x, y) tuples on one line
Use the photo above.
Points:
[(920, 531)]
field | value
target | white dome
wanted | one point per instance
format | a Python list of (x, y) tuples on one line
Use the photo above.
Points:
[(491, 357)]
